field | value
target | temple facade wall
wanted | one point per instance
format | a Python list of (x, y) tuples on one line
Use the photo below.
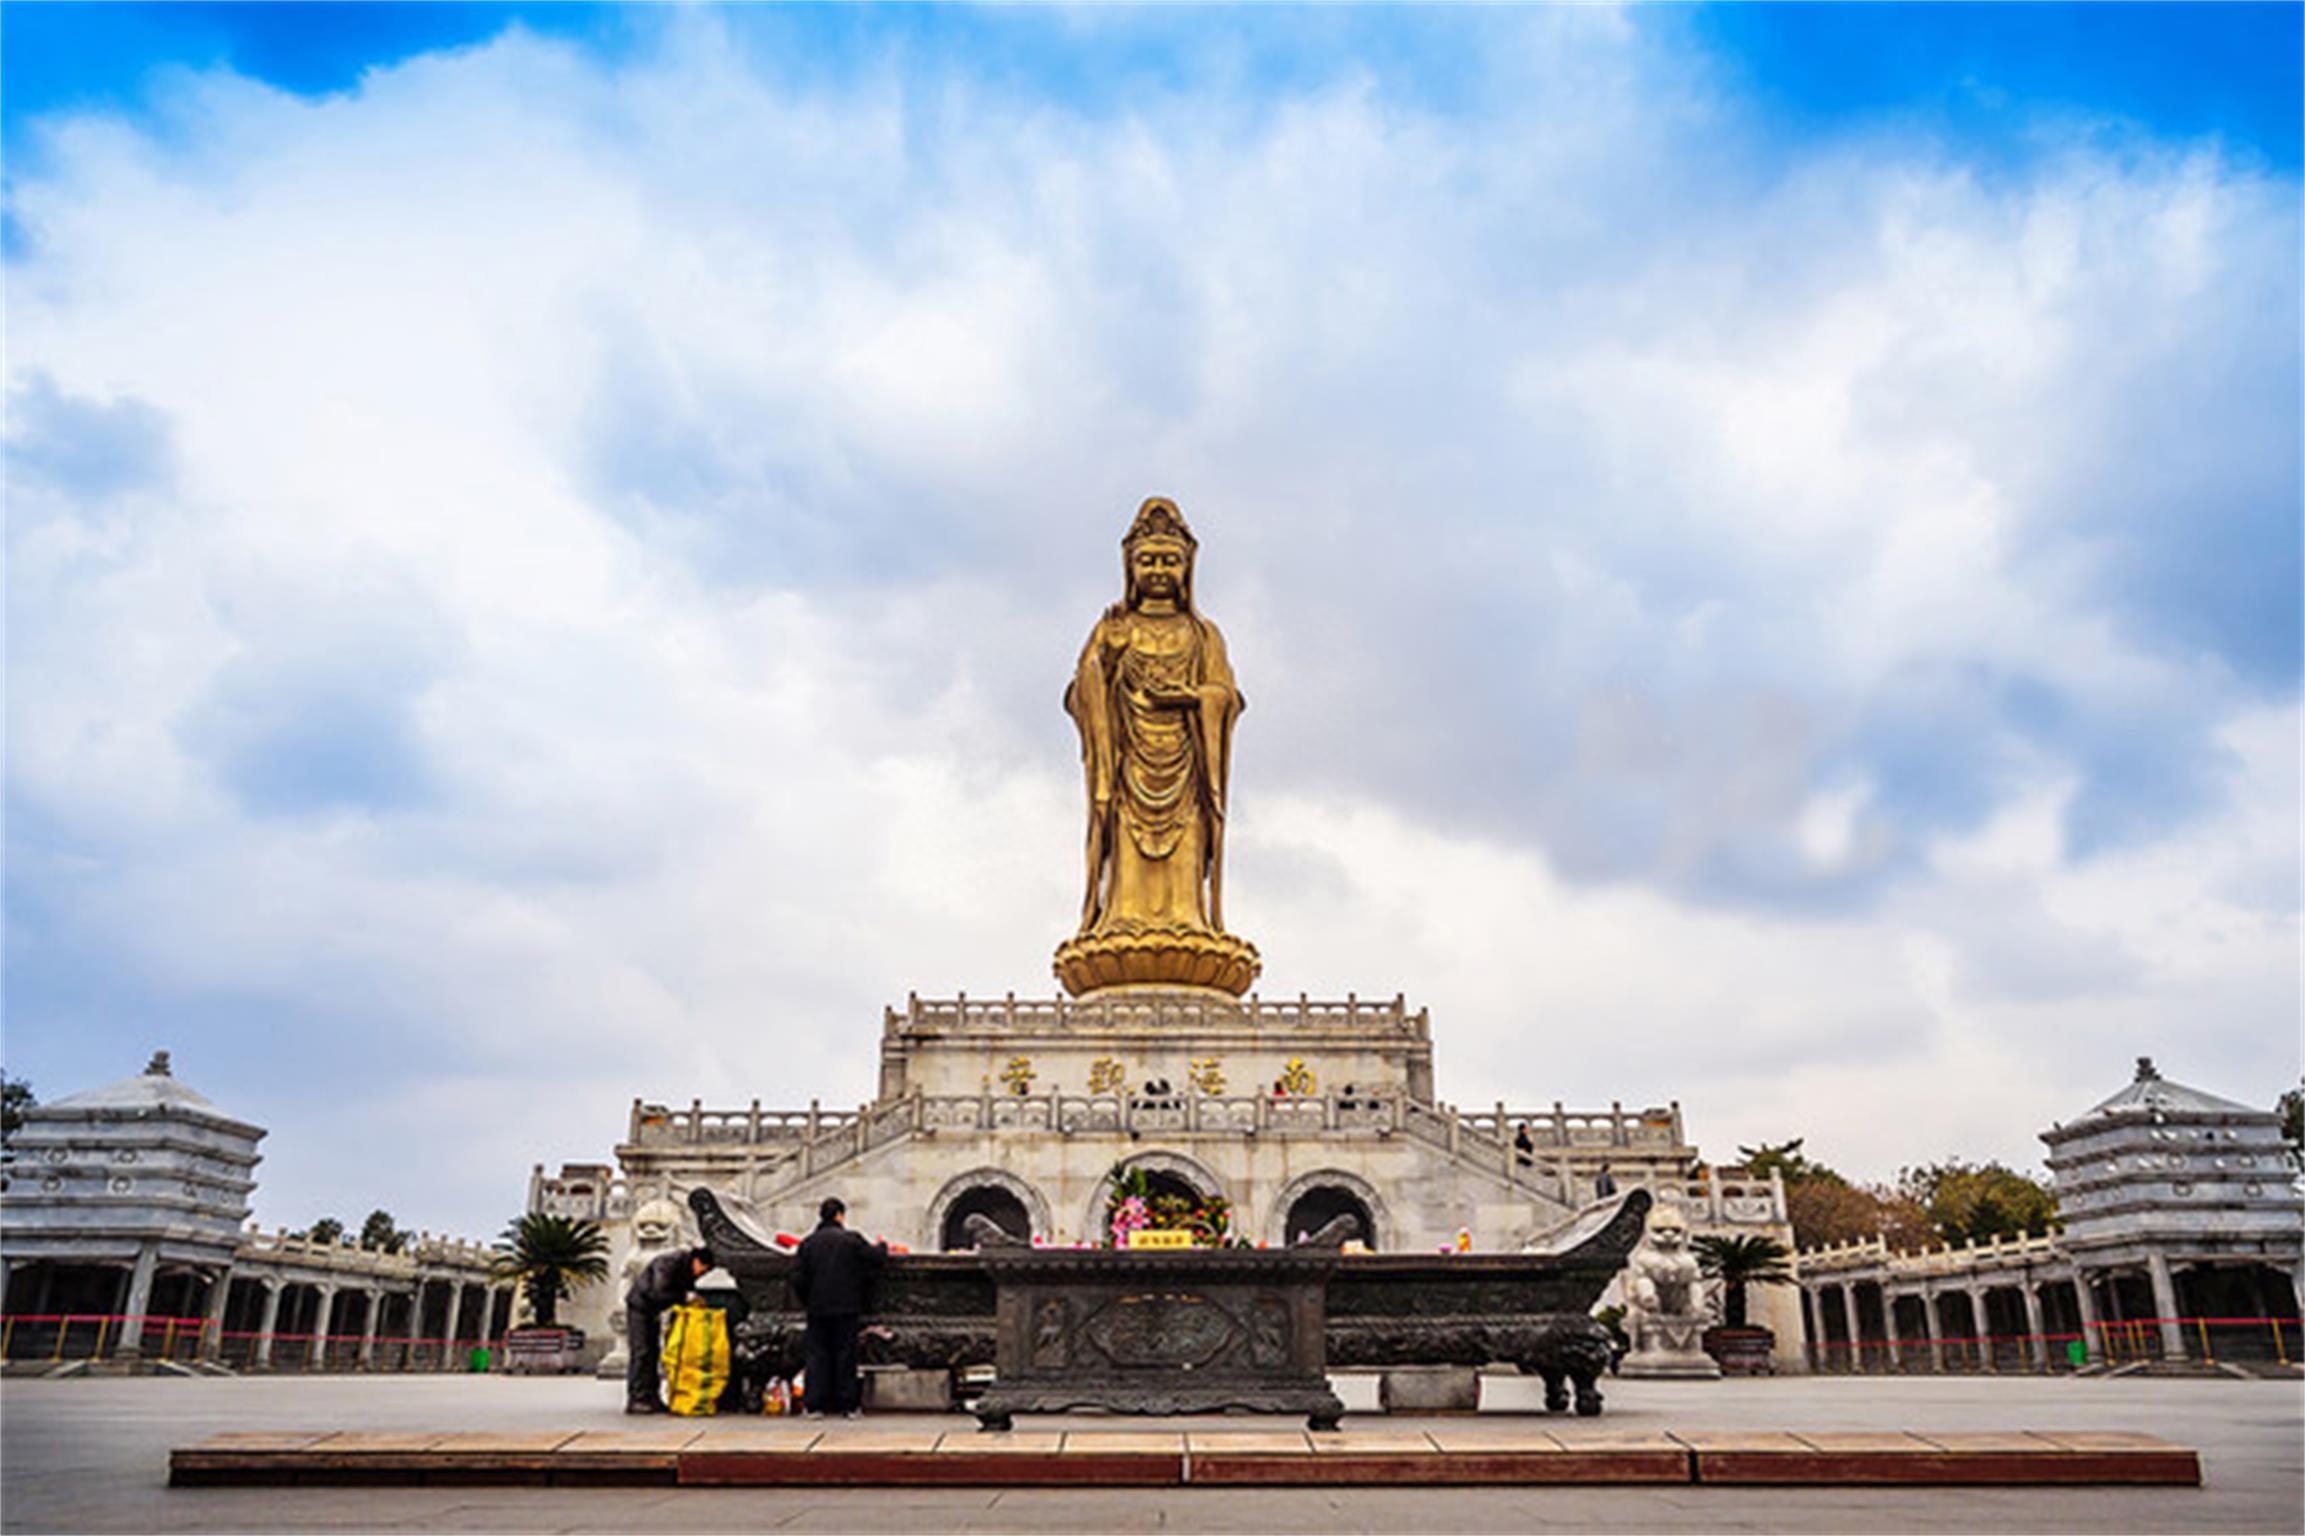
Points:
[(1134, 1044), (1263, 1102)]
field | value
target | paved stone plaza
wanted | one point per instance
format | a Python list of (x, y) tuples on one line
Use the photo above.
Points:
[(92, 1456)]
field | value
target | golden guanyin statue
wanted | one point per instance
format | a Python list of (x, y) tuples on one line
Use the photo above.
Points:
[(1155, 701)]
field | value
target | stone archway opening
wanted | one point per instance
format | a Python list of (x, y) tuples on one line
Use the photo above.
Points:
[(1161, 1184), (1322, 1204), (990, 1201), (1166, 1175)]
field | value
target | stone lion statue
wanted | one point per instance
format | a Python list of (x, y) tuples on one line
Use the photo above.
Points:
[(656, 1228), (1665, 1312), (1665, 1279)]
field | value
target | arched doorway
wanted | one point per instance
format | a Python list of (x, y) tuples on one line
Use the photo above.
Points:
[(1322, 1204), (988, 1200), (987, 1191), (1161, 1184), (1167, 1175), (1311, 1200)]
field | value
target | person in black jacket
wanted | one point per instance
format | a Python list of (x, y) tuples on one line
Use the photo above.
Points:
[(663, 1285), (832, 1275)]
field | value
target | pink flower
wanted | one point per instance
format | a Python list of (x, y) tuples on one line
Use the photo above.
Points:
[(1131, 1215)]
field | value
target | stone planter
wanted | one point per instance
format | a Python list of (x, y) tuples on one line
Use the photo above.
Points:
[(1743, 1351)]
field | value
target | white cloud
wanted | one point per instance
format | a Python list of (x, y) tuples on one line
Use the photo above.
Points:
[(1672, 596)]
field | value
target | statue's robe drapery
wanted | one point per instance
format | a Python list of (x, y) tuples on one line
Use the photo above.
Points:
[(1154, 699)]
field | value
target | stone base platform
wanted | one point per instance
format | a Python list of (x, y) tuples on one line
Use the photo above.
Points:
[(785, 1453)]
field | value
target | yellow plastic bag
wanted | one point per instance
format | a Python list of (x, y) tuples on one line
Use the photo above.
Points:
[(696, 1358)]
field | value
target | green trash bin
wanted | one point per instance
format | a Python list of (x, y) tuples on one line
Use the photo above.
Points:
[(477, 1361), (2076, 1353)]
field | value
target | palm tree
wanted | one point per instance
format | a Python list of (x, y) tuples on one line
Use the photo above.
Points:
[(1741, 1261), (549, 1257)]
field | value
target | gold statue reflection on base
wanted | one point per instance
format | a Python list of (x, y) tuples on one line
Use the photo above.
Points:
[(1154, 699)]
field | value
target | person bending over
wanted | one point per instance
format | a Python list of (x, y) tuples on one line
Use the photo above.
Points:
[(664, 1284)]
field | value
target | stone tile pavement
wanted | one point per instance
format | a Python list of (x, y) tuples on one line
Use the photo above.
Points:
[(92, 1456)]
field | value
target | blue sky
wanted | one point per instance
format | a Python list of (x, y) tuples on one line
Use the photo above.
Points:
[(1978, 72), (540, 539)]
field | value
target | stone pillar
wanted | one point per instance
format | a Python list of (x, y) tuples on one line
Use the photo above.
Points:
[(138, 1301), (1981, 1322), (212, 1319), (2165, 1305), (323, 1318), (2092, 1327), (269, 1322), (1936, 1328), (415, 1324), (1848, 1300), (2036, 1331), (375, 1301), (1889, 1328), (455, 1316)]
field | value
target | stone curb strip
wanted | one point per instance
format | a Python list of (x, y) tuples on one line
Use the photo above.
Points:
[(759, 1457)]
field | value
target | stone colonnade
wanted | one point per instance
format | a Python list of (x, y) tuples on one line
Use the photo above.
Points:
[(1857, 1319), (477, 1313), (478, 1310), (1831, 1301)]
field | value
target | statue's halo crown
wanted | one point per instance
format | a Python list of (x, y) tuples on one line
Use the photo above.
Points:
[(1159, 518)]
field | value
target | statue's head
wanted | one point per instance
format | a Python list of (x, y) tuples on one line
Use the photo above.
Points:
[(654, 1223), (1668, 1228), (1157, 553)]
